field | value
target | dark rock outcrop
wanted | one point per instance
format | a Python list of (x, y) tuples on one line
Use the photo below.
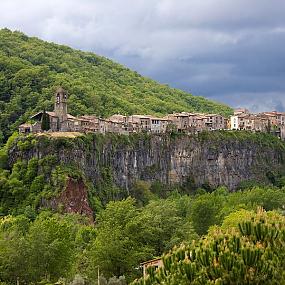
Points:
[(221, 160)]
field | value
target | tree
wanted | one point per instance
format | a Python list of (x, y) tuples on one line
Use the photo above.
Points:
[(205, 212), (45, 122), (114, 249), (44, 248), (252, 253)]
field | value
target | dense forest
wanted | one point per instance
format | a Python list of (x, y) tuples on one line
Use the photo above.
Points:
[(42, 245), (31, 69), (63, 248)]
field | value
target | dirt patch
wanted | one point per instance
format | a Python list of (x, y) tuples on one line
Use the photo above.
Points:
[(75, 198), (71, 135)]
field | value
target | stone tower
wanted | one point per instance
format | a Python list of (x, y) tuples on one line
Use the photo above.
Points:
[(60, 105)]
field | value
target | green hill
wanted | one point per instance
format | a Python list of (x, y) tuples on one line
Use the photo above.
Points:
[(31, 69)]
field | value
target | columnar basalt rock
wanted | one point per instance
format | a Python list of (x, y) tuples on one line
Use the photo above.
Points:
[(164, 158)]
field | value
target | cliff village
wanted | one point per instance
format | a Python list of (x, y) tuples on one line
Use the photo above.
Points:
[(60, 121)]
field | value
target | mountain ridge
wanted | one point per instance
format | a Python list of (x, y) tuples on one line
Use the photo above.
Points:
[(31, 69)]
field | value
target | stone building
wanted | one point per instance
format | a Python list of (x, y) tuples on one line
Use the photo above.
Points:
[(158, 125), (26, 128), (269, 122), (240, 111), (215, 122), (180, 120), (140, 123), (122, 124), (59, 119)]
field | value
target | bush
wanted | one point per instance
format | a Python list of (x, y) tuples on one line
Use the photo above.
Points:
[(252, 253)]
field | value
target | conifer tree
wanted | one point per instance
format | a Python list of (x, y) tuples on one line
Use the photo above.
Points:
[(45, 122)]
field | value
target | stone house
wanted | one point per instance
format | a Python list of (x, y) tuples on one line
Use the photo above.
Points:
[(276, 118), (272, 117), (196, 122), (180, 121), (282, 132), (123, 124), (238, 122), (240, 111), (200, 123), (119, 118), (158, 125), (248, 123), (215, 122), (261, 123), (59, 119), (114, 127), (276, 123), (26, 128), (30, 128), (90, 123), (140, 123)]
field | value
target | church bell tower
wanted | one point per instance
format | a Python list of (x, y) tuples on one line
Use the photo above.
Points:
[(60, 105)]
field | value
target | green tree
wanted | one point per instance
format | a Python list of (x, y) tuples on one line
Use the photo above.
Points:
[(35, 250), (252, 253), (205, 212), (45, 122), (115, 250)]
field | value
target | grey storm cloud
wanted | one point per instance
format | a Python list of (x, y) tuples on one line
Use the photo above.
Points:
[(228, 50)]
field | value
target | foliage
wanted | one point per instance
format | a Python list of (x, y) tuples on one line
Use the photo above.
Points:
[(204, 212), (253, 253), (27, 183), (45, 122), (126, 233), (114, 249), (31, 251), (31, 70)]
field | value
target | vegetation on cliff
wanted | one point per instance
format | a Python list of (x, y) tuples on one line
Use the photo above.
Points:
[(41, 243), (38, 170), (31, 69)]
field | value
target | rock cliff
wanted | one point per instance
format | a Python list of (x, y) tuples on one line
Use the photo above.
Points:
[(220, 158)]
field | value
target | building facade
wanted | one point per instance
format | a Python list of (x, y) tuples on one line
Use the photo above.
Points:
[(60, 121)]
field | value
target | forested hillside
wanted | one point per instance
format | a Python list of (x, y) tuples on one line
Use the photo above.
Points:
[(72, 206), (31, 69)]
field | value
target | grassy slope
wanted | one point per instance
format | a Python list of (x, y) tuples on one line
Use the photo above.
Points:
[(30, 70)]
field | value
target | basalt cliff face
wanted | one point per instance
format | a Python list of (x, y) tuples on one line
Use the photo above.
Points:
[(222, 159)]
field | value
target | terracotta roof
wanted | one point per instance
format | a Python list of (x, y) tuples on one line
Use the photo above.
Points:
[(150, 261), (211, 115), (89, 117), (179, 115), (140, 116)]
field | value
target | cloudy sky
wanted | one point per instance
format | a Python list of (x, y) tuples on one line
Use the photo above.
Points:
[(232, 51)]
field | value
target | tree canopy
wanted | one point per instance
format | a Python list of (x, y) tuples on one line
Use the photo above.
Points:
[(31, 69)]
